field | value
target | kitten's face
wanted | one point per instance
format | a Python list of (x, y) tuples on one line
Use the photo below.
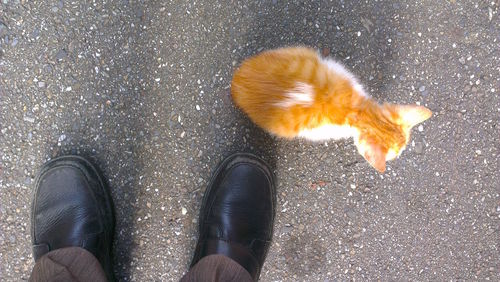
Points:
[(387, 139)]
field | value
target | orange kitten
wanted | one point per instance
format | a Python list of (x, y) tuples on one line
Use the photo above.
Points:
[(294, 92)]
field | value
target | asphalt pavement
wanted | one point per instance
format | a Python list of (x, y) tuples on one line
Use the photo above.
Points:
[(141, 88)]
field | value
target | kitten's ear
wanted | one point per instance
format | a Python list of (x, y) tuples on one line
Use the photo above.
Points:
[(373, 154), (412, 115)]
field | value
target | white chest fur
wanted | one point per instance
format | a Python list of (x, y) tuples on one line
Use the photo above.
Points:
[(329, 131)]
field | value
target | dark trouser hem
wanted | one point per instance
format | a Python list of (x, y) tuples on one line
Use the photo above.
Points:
[(77, 264), (217, 268), (68, 264)]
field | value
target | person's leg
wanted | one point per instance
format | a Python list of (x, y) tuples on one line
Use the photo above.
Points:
[(72, 223), (217, 268), (68, 264), (236, 222)]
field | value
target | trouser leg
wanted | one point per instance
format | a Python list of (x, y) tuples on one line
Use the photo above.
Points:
[(68, 264), (217, 268)]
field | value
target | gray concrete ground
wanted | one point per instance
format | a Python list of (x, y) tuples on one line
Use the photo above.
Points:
[(142, 89)]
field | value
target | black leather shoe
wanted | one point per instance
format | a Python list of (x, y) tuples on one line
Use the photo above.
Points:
[(72, 208), (237, 214)]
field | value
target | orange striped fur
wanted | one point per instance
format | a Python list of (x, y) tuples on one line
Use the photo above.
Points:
[(294, 92)]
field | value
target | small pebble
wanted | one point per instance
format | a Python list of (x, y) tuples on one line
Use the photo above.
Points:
[(184, 211), (420, 128), (421, 88), (197, 107), (419, 148), (61, 54), (325, 51), (29, 119)]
